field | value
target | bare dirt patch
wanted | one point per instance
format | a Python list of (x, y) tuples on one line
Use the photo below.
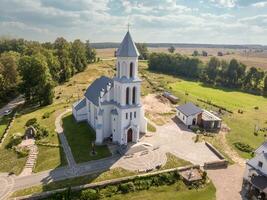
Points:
[(158, 109)]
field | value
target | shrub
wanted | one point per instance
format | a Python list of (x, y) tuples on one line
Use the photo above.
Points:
[(14, 141), (31, 122), (109, 191), (21, 152), (46, 115), (89, 194), (243, 147), (127, 187), (41, 133), (143, 184)]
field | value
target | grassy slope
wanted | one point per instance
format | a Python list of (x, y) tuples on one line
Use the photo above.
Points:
[(80, 137), (65, 95), (3, 123), (170, 192)]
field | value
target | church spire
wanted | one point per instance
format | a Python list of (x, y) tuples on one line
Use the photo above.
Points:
[(127, 47)]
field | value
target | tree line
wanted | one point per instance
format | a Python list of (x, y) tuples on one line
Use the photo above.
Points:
[(217, 72), (34, 69)]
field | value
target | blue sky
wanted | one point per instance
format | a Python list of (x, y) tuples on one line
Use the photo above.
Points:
[(180, 21)]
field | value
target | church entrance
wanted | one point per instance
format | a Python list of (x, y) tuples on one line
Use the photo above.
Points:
[(130, 135)]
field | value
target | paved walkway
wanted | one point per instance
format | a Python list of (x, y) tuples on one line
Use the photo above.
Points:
[(12, 104), (63, 140), (228, 182)]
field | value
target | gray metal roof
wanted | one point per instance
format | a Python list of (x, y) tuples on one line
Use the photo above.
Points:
[(127, 47), (93, 91), (189, 109), (80, 104)]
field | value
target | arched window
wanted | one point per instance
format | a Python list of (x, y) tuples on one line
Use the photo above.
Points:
[(131, 70), (134, 91), (119, 69), (127, 95)]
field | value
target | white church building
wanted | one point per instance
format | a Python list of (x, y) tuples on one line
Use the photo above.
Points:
[(112, 106)]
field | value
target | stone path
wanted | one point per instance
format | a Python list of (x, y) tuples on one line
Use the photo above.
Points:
[(33, 152), (6, 185), (12, 104), (142, 161), (63, 140)]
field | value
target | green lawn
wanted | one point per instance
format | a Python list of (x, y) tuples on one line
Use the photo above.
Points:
[(4, 121), (151, 128), (48, 158), (176, 191), (242, 125), (93, 178), (80, 137), (173, 161)]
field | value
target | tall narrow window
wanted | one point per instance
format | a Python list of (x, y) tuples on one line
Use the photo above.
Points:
[(131, 115), (134, 91), (127, 95), (119, 69), (131, 70)]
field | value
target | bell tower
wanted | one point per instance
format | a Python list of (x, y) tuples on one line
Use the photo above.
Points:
[(127, 90)]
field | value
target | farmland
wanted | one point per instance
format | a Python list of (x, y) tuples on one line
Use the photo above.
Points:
[(251, 59)]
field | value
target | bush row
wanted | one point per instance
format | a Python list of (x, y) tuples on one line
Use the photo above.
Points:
[(136, 184), (217, 106)]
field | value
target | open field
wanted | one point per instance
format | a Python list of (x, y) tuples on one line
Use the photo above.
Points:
[(176, 191), (251, 59), (80, 137), (242, 125)]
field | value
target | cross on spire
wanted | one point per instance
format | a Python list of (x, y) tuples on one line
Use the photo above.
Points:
[(128, 26)]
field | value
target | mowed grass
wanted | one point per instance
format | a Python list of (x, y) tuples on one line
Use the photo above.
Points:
[(173, 162), (242, 125), (81, 180), (4, 121), (176, 191), (80, 138), (48, 157)]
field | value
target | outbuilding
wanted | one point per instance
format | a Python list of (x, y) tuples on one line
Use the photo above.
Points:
[(189, 114)]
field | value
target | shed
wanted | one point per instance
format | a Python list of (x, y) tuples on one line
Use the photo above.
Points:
[(171, 97), (189, 114), (210, 122)]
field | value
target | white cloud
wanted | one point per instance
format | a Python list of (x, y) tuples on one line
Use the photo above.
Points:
[(225, 3), (260, 4)]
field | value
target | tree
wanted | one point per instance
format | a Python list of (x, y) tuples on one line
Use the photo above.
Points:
[(253, 78), (53, 64), (62, 48), (204, 53), (9, 61), (142, 48), (195, 53), (171, 49), (235, 73), (90, 52), (36, 82), (265, 86), (212, 69), (78, 55)]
